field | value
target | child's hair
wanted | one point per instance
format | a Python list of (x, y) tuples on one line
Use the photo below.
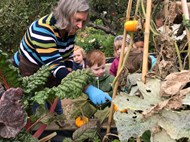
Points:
[(76, 47), (135, 60), (159, 18), (138, 37), (160, 15), (118, 43), (95, 57)]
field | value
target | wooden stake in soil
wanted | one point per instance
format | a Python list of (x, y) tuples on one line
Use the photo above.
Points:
[(119, 66), (166, 13), (146, 41)]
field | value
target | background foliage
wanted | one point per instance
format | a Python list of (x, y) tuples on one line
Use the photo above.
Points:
[(15, 17)]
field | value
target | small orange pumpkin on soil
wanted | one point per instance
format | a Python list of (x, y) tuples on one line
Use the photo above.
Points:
[(81, 120), (131, 26)]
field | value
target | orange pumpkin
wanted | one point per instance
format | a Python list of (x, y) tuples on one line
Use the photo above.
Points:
[(131, 26), (116, 109), (81, 120)]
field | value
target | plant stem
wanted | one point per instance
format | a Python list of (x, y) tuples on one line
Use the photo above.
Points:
[(4, 80), (178, 55)]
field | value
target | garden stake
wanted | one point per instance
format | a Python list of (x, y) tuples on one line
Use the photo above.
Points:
[(43, 126), (146, 41), (48, 137), (119, 66), (124, 60), (137, 8), (186, 13), (166, 13), (144, 13)]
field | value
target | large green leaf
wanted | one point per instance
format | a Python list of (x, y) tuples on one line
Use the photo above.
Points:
[(132, 124), (176, 123), (150, 96), (161, 136), (9, 75), (83, 106), (71, 87)]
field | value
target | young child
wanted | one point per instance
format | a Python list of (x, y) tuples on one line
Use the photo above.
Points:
[(159, 19), (117, 50), (96, 61), (139, 45), (138, 42), (79, 56)]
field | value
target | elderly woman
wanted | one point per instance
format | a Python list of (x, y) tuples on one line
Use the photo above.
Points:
[(50, 40)]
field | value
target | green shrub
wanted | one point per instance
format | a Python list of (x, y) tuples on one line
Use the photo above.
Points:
[(16, 16), (95, 39)]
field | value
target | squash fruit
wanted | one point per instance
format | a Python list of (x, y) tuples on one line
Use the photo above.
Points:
[(116, 109), (131, 26), (81, 120)]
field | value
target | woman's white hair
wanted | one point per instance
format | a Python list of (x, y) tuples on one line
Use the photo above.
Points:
[(66, 8)]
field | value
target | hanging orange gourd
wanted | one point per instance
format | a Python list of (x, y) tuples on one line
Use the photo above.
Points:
[(81, 120), (131, 25)]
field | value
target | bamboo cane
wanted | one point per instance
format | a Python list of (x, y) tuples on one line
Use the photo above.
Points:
[(179, 3), (166, 13), (137, 8), (166, 2), (186, 13), (146, 40), (119, 66)]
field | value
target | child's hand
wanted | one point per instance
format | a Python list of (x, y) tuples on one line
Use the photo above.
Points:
[(97, 96)]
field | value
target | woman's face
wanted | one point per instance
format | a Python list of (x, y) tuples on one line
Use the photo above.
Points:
[(77, 57), (77, 21), (98, 71)]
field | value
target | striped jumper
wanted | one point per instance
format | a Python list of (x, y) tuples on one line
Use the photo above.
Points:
[(43, 45)]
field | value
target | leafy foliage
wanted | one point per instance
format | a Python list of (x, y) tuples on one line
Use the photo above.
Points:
[(87, 131), (95, 39), (15, 17), (8, 73), (10, 106), (36, 82), (23, 136), (112, 13), (149, 110), (71, 87)]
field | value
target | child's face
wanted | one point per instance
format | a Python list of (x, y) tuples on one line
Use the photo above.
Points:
[(77, 56), (98, 71), (159, 22), (139, 45), (118, 50)]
